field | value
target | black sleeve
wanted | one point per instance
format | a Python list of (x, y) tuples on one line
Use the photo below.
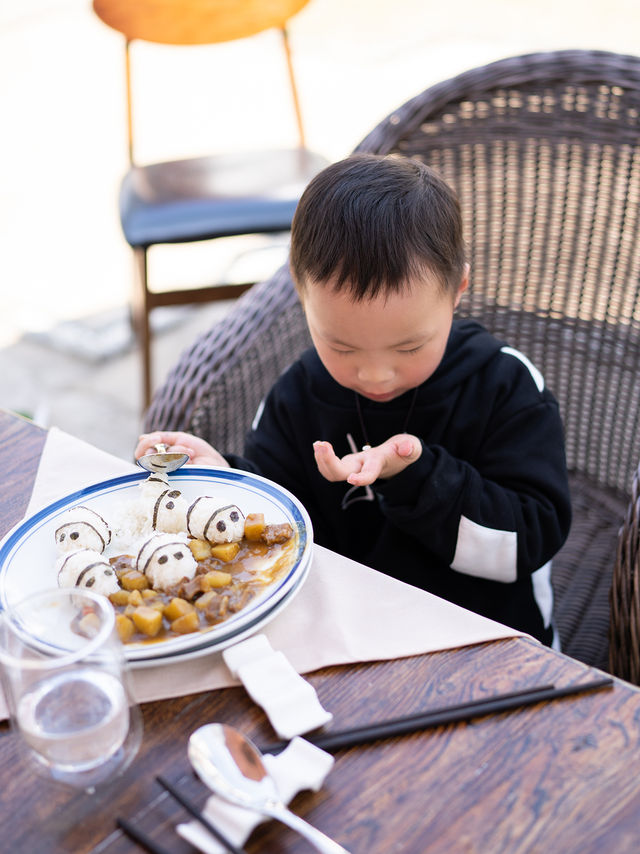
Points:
[(503, 515)]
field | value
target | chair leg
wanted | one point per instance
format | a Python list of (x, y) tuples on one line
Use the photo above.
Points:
[(140, 316)]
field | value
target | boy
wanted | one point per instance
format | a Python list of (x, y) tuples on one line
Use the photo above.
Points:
[(419, 445)]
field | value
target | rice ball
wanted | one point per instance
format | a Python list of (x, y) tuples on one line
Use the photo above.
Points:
[(169, 512), (155, 484), (82, 528), (206, 520), (166, 559), (87, 568), (134, 518)]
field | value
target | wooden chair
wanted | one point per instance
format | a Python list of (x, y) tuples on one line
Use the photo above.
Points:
[(544, 152), (202, 198)]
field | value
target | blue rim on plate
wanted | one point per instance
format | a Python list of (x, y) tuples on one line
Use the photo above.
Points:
[(28, 552)]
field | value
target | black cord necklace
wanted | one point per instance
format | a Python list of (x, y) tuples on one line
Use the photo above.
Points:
[(367, 444)]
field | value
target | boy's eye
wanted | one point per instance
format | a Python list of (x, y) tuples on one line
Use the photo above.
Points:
[(412, 350), (341, 352)]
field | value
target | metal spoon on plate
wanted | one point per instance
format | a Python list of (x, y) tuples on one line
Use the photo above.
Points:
[(231, 766), (162, 460)]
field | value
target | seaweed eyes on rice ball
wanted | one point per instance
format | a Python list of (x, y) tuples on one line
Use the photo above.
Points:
[(82, 528), (166, 559), (170, 512), (87, 568), (206, 520)]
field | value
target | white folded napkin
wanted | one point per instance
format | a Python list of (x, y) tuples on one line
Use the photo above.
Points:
[(68, 464), (291, 703), (301, 765)]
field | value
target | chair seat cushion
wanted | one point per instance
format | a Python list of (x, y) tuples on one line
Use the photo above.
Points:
[(207, 197), (582, 572)]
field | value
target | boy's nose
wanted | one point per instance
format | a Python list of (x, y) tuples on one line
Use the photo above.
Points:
[(375, 374)]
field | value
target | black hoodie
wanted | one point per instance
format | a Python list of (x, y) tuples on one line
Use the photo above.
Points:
[(477, 518)]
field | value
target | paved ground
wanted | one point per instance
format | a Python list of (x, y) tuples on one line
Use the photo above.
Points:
[(94, 398), (64, 267)]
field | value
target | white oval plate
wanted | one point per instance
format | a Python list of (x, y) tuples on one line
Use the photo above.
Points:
[(28, 552)]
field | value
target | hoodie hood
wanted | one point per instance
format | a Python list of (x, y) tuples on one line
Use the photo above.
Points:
[(468, 350)]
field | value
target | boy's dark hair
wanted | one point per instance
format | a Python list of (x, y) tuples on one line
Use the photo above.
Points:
[(373, 223)]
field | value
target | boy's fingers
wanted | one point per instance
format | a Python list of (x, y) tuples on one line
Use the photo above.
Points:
[(329, 465), (408, 448), (361, 478), (414, 446), (155, 437), (325, 457), (147, 441), (405, 448), (143, 447), (174, 441), (165, 437), (370, 471), (183, 449), (322, 451)]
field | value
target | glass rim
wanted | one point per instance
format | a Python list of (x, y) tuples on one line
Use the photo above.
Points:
[(55, 662)]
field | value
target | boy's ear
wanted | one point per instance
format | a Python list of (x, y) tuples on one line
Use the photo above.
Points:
[(464, 284)]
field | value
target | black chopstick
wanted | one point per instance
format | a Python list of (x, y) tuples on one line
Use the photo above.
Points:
[(418, 717), (332, 741), (197, 814), (140, 837)]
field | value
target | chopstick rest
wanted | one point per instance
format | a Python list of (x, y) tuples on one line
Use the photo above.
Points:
[(189, 805), (289, 701), (300, 766)]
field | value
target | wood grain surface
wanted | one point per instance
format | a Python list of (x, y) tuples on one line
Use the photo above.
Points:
[(556, 777), (21, 444)]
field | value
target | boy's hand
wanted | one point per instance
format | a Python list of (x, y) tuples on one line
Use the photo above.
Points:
[(200, 453), (365, 467)]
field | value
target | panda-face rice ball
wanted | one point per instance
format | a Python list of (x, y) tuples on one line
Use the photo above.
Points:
[(82, 528), (169, 512), (156, 483), (166, 559), (207, 520), (87, 568)]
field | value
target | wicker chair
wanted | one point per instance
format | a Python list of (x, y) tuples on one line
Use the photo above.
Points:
[(544, 152), (624, 650)]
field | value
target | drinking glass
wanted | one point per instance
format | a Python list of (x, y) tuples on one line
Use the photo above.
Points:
[(67, 688)]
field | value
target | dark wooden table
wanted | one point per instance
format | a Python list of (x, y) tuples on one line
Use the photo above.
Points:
[(557, 777)]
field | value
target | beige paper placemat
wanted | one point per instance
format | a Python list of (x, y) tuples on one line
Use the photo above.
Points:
[(344, 613)]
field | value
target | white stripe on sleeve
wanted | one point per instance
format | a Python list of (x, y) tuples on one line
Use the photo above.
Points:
[(258, 415), (535, 373), (485, 552)]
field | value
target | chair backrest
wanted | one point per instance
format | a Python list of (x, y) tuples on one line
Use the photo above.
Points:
[(544, 152), (198, 22), (624, 631)]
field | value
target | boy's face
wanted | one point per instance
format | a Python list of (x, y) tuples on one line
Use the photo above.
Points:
[(385, 346)]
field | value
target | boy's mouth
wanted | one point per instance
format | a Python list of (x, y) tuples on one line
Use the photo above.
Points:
[(380, 398)]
